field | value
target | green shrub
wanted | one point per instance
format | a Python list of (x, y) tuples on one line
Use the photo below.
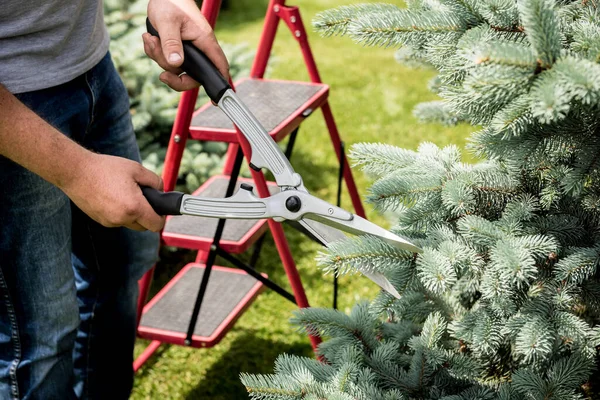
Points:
[(504, 301)]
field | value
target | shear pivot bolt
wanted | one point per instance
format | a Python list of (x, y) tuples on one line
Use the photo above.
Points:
[(293, 204)]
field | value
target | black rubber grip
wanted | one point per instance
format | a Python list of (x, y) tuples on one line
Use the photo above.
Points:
[(197, 65), (168, 203)]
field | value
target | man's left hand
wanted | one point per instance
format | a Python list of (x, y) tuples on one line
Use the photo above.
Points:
[(177, 20)]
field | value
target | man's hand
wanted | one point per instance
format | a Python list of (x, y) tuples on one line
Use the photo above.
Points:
[(107, 189), (177, 20)]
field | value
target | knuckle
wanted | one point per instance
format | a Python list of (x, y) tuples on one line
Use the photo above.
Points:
[(131, 209), (106, 222), (171, 43)]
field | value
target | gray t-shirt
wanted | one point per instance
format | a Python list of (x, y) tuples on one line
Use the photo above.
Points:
[(50, 42)]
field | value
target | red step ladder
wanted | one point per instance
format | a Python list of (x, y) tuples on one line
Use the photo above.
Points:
[(222, 294)]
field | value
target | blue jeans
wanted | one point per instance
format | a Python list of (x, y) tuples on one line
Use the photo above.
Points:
[(68, 286)]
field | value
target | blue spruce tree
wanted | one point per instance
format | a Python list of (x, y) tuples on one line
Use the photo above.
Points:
[(504, 301)]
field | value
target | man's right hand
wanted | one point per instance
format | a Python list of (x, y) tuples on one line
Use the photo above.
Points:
[(107, 189)]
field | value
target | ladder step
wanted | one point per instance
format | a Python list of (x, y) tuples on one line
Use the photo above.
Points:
[(197, 233), (280, 106), (228, 294)]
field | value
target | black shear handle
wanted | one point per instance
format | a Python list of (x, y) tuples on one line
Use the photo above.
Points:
[(168, 203), (197, 65)]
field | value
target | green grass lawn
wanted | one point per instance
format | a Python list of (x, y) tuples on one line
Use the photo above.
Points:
[(372, 99)]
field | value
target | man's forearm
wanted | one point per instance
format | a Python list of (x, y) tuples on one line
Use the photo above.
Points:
[(34, 144)]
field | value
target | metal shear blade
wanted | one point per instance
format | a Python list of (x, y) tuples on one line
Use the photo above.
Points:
[(326, 236), (305, 207), (292, 203)]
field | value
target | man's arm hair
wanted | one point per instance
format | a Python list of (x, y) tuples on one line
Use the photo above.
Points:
[(105, 187), (31, 142)]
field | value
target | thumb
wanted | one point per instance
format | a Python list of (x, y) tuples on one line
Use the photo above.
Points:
[(170, 41)]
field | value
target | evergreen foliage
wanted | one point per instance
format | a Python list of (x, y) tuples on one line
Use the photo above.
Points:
[(504, 301), (153, 104)]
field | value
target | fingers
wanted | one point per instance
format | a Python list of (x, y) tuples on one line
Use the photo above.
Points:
[(147, 218), (153, 49), (178, 82), (173, 77), (214, 52), (167, 49), (145, 177), (136, 227), (170, 41)]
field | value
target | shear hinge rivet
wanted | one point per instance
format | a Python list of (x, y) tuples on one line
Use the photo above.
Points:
[(330, 211), (177, 138), (293, 203)]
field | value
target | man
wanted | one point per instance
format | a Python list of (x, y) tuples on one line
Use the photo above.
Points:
[(75, 231)]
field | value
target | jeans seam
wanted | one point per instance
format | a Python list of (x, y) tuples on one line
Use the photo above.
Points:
[(14, 384), (92, 108), (90, 335)]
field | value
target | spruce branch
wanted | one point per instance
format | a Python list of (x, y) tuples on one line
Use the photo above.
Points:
[(378, 159), (335, 21), (435, 111), (581, 264), (403, 27), (366, 253), (435, 271), (358, 328), (507, 54), (501, 15), (534, 341), (542, 27), (271, 387)]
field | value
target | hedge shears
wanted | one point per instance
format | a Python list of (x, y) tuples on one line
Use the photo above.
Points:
[(293, 202)]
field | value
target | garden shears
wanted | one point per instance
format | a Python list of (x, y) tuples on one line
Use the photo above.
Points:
[(293, 202)]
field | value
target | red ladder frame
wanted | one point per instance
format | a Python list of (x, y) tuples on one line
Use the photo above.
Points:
[(277, 10)]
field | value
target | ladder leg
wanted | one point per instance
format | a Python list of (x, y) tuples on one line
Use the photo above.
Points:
[(285, 254), (232, 150), (144, 288), (201, 257), (146, 354), (291, 16), (335, 139)]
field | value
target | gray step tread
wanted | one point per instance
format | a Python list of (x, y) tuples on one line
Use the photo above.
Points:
[(225, 290), (272, 102)]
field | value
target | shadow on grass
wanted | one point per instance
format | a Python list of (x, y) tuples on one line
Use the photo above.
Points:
[(249, 353)]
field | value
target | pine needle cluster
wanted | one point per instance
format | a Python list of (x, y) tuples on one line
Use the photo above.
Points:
[(504, 301)]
